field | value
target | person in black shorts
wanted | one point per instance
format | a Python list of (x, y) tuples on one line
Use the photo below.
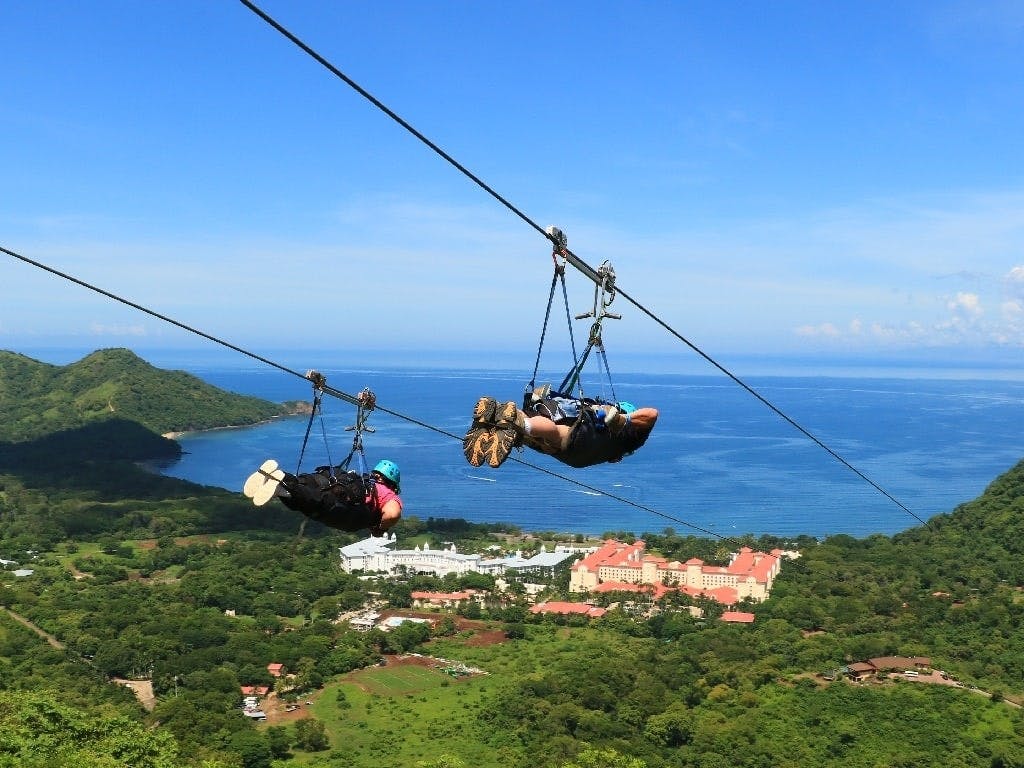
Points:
[(337, 498), (577, 433)]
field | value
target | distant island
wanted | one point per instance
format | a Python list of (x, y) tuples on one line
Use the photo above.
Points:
[(38, 399)]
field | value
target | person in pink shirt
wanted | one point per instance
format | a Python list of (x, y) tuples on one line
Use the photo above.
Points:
[(337, 498)]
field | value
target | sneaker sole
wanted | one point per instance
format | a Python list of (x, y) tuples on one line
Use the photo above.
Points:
[(266, 491), (476, 444), (484, 410), (501, 447), (505, 415), (258, 478)]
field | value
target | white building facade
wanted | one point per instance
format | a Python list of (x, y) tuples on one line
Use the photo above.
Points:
[(376, 555)]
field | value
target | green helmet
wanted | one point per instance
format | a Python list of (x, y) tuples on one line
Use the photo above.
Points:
[(390, 470)]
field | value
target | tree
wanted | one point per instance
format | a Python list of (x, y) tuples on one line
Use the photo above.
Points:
[(405, 637), (310, 735), (446, 627), (279, 741), (604, 758), (252, 747), (671, 728), (515, 631)]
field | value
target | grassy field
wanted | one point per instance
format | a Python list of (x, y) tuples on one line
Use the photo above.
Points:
[(397, 680), (399, 715)]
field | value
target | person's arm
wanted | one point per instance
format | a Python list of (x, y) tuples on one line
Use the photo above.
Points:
[(390, 513), (644, 418)]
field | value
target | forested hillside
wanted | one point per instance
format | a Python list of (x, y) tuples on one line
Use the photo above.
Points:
[(37, 398), (138, 575)]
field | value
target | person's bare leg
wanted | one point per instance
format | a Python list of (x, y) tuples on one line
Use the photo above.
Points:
[(545, 436)]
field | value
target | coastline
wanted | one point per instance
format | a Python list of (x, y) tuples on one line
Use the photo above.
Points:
[(299, 408)]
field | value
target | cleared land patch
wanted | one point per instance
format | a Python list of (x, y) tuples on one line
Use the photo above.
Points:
[(397, 680)]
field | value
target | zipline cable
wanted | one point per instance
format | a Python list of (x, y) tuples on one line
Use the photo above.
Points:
[(333, 392), (570, 257)]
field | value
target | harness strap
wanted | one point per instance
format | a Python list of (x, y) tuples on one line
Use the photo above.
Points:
[(366, 403), (317, 396), (547, 315)]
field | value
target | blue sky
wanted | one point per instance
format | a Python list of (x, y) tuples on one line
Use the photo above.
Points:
[(785, 179)]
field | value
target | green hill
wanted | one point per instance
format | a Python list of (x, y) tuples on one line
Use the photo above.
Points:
[(981, 540), (38, 399)]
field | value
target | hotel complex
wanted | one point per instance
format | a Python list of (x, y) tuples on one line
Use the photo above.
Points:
[(373, 555), (613, 567), (617, 566)]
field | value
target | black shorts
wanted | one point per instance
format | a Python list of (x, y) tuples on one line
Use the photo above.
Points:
[(338, 502), (589, 445)]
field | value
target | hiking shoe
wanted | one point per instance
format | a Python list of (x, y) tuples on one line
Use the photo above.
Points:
[(511, 418), (476, 444), (483, 411), (506, 415), (501, 446)]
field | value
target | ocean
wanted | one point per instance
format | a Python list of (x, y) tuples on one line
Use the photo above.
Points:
[(719, 462)]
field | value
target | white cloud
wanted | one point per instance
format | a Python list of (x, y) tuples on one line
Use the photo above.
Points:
[(823, 330), (100, 329), (965, 304), (411, 272), (1014, 281)]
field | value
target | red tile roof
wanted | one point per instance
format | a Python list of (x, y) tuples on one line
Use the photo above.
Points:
[(562, 608), (657, 591), (746, 565), (900, 662), (613, 553), (441, 595), (759, 565), (739, 617)]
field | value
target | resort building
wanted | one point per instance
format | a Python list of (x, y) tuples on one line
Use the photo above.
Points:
[(738, 617), (444, 599), (379, 556), (569, 609), (619, 566)]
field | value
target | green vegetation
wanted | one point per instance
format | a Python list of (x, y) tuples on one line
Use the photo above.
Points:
[(401, 716), (137, 575), (39, 730), (39, 399)]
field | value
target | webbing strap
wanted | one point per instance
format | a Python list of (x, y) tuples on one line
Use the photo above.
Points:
[(317, 395), (559, 275), (572, 378), (547, 315), (577, 364), (608, 373)]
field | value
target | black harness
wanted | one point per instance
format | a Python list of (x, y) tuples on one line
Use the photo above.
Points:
[(335, 494)]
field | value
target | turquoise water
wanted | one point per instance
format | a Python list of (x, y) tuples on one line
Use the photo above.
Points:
[(718, 461)]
